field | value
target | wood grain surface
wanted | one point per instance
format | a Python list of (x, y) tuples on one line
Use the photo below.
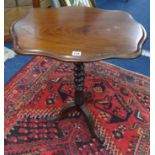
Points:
[(10, 15), (78, 34)]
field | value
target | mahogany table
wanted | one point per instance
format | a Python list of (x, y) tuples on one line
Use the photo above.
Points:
[(78, 35)]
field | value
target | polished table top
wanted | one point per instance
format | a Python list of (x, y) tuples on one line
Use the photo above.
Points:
[(78, 34)]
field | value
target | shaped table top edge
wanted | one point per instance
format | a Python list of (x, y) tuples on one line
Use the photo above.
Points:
[(70, 58)]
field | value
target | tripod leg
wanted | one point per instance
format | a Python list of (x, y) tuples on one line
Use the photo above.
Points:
[(90, 123), (66, 110)]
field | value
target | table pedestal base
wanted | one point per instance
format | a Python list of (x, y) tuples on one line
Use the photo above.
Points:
[(84, 110), (79, 77)]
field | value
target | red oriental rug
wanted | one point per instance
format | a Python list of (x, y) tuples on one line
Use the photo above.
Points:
[(118, 100)]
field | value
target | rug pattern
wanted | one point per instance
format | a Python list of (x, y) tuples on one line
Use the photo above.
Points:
[(117, 99)]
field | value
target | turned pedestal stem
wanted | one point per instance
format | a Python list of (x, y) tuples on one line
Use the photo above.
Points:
[(79, 77)]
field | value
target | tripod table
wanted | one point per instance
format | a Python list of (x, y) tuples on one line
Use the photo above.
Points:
[(78, 35)]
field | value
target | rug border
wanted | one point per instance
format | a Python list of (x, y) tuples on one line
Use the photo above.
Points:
[(16, 74)]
